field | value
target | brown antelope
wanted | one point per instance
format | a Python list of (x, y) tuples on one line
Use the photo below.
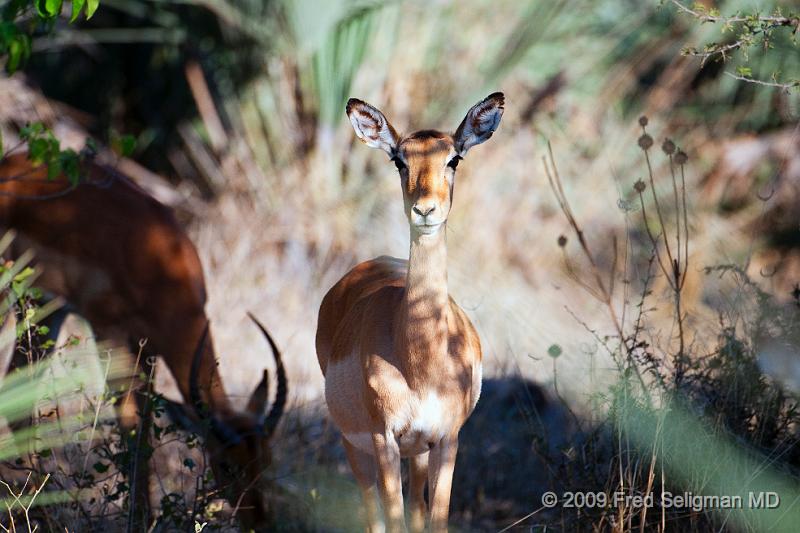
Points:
[(401, 360), (123, 261)]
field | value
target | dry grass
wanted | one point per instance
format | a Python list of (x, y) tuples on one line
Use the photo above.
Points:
[(289, 220)]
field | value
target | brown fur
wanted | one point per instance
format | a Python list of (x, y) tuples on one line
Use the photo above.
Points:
[(122, 259), (401, 360)]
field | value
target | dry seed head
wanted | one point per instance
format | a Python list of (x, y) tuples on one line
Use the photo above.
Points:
[(562, 240), (681, 158), (643, 121), (668, 146), (645, 142), (639, 186)]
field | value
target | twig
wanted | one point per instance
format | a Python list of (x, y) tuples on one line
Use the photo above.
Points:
[(603, 291), (520, 520), (707, 17), (676, 267), (782, 86), (755, 26)]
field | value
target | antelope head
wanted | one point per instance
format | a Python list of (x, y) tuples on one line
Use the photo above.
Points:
[(427, 159), (239, 443)]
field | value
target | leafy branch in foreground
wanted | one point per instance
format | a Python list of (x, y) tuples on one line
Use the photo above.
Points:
[(44, 148), (748, 30), (21, 19)]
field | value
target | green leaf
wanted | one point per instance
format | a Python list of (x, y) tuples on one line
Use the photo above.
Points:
[(745, 72), (54, 7), (91, 7), (48, 9), (14, 56), (70, 165), (77, 7), (31, 130), (53, 169), (127, 143), (24, 274), (37, 150)]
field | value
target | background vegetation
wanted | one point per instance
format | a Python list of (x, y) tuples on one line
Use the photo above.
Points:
[(609, 369)]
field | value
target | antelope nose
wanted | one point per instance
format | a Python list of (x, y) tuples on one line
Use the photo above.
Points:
[(424, 209)]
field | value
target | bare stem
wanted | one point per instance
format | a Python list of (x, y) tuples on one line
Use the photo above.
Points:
[(603, 291)]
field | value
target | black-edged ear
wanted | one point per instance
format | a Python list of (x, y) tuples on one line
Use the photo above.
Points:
[(372, 127), (479, 124)]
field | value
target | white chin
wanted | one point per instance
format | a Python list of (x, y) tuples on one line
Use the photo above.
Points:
[(428, 229)]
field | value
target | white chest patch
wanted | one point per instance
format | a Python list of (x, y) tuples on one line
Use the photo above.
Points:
[(426, 426), (423, 422), (428, 416)]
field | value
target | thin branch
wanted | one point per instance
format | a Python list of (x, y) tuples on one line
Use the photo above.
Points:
[(778, 85), (685, 228), (707, 17), (753, 25)]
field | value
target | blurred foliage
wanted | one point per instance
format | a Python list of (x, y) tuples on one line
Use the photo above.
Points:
[(294, 63), (57, 404), (32, 387), (44, 148), (749, 31), (280, 71), (21, 20)]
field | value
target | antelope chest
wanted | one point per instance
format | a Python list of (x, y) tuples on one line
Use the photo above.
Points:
[(430, 421), (418, 422)]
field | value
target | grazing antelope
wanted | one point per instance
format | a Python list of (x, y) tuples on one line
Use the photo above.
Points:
[(401, 360), (123, 261)]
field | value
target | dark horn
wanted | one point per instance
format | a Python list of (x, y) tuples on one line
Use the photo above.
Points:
[(274, 416), (223, 432)]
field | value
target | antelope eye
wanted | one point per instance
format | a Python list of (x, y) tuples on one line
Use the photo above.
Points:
[(399, 164), (454, 162)]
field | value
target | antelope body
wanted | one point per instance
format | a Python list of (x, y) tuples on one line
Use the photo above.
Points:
[(124, 262), (401, 360)]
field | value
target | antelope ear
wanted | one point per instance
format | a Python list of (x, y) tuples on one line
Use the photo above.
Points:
[(257, 405), (372, 127), (479, 124)]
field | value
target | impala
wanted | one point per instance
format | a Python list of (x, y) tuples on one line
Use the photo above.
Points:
[(122, 260), (401, 360)]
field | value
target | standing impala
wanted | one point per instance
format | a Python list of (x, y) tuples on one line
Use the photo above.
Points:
[(124, 262), (401, 360)]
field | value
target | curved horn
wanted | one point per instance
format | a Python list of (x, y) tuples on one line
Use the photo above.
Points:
[(257, 405), (223, 432), (274, 416)]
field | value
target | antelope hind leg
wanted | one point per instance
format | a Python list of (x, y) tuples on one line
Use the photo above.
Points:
[(365, 470)]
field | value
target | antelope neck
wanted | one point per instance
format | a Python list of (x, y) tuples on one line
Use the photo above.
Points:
[(425, 308)]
